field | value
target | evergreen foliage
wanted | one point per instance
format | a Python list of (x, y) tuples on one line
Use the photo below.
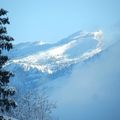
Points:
[(6, 101)]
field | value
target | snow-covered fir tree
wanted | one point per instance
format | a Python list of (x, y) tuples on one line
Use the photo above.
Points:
[(6, 101)]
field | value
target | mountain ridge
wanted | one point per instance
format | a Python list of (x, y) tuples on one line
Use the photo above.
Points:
[(48, 57), (36, 64)]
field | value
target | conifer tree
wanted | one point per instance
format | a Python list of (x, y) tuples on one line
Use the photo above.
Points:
[(6, 92)]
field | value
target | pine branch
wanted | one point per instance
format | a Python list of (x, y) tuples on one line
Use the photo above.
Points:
[(4, 21), (3, 30), (6, 37), (3, 12)]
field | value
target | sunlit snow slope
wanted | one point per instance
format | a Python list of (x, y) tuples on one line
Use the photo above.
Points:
[(42, 61), (49, 58)]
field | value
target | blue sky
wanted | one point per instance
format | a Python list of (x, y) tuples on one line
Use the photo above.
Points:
[(52, 20)]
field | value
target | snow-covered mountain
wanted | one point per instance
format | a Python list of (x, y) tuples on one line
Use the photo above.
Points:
[(51, 58), (78, 72), (39, 62)]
